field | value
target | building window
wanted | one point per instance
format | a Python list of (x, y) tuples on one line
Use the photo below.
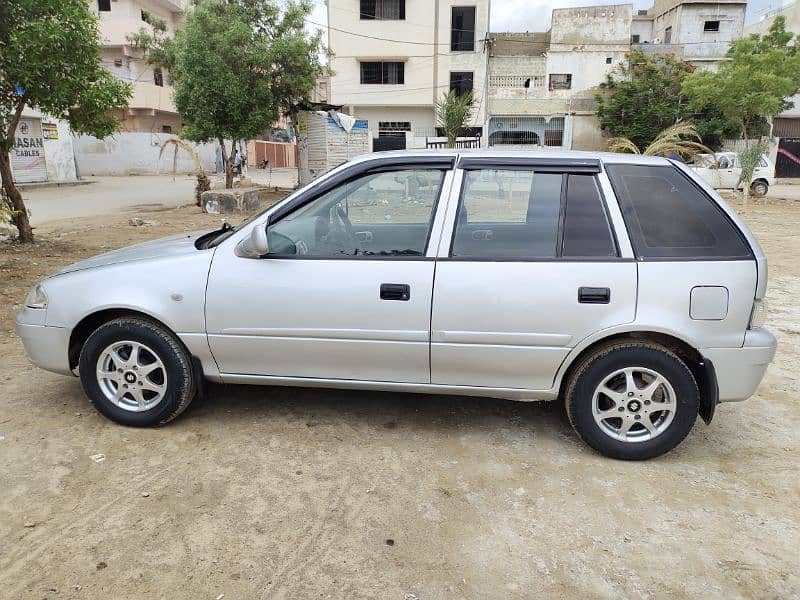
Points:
[(462, 34), (711, 26), (668, 35), (393, 128), (608, 60), (104, 5), (166, 129), (560, 81), (460, 82), (635, 38), (383, 10), (158, 77), (392, 73)]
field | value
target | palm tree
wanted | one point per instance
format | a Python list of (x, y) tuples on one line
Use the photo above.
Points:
[(203, 184), (681, 139), (453, 112)]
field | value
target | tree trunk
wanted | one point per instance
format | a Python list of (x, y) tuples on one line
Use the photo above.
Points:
[(229, 172), (227, 163), (20, 217)]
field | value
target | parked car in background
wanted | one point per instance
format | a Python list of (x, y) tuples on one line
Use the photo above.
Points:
[(722, 170), (621, 284)]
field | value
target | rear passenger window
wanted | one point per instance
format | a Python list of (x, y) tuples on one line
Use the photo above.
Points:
[(522, 214), (586, 229), (668, 216)]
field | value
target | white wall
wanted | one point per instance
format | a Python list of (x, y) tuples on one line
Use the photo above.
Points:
[(58, 153), (133, 153), (427, 66)]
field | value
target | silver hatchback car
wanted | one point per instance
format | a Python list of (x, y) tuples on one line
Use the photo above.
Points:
[(622, 284)]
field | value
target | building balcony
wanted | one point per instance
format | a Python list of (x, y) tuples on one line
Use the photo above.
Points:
[(149, 96)]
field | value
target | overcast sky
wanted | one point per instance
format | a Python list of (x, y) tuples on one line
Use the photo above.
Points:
[(534, 15)]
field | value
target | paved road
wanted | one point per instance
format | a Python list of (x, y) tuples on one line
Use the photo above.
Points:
[(107, 195)]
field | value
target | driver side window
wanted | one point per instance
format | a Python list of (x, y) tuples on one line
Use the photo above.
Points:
[(377, 215)]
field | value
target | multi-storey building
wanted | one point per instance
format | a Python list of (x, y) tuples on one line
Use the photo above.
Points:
[(393, 59), (542, 85), (698, 31), (151, 109)]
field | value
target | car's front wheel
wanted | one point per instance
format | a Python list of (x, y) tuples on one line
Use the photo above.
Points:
[(759, 188), (136, 373), (632, 400)]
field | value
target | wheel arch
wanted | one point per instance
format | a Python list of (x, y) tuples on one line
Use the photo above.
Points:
[(89, 323), (701, 368)]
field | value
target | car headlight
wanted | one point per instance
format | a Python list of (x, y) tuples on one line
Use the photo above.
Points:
[(36, 297), (758, 316)]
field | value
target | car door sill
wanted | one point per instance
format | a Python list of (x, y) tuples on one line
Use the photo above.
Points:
[(392, 386)]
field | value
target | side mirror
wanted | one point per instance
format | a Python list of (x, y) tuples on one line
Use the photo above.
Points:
[(254, 246)]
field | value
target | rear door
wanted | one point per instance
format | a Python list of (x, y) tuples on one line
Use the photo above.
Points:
[(530, 268)]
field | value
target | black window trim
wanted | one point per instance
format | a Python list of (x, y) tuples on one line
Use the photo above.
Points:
[(639, 258), (535, 163), (548, 167), (356, 171)]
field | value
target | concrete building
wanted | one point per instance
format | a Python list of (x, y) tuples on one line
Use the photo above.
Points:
[(393, 59), (698, 31), (151, 109), (542, 85)]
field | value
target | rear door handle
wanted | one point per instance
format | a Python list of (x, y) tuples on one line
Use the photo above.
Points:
[(594, 295), (395, 291)]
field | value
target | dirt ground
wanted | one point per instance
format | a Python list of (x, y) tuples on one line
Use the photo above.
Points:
[(296, 493)]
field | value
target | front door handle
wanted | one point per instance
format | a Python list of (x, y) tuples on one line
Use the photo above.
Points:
[(594, 295), (395, 291)]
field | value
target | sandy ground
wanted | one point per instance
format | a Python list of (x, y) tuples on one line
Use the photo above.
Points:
[(296, 493)]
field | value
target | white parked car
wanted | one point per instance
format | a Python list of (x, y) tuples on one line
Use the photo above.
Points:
[(621, 284), (722, 170)]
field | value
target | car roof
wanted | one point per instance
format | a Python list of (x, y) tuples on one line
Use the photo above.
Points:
[(565, 155)]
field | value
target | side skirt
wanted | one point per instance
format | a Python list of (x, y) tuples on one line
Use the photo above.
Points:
[(523, 395)]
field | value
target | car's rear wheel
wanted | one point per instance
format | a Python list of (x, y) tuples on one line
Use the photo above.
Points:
[(759, 188), (632, 400), (136, 373)]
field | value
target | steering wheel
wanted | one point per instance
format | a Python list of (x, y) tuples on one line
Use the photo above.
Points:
[(342, 229)]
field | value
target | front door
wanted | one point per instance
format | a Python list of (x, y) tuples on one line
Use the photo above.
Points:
[(532, 269), (345, 292)]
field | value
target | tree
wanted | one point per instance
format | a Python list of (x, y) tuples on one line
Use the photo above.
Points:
[(761, 73), (50, 61), (673, 140), (642, 97), (453, 112), (237, 66)]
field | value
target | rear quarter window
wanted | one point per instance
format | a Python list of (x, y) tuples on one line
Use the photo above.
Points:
[(668, 216)]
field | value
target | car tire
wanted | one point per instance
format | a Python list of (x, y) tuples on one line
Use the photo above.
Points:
[(759, 188), (136, 372), (617, 390)]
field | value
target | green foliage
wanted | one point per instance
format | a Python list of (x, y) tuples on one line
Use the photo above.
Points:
[(763, 71), (453, 112), (642, 97), (749, 159), (237, 66), (50, 60)]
